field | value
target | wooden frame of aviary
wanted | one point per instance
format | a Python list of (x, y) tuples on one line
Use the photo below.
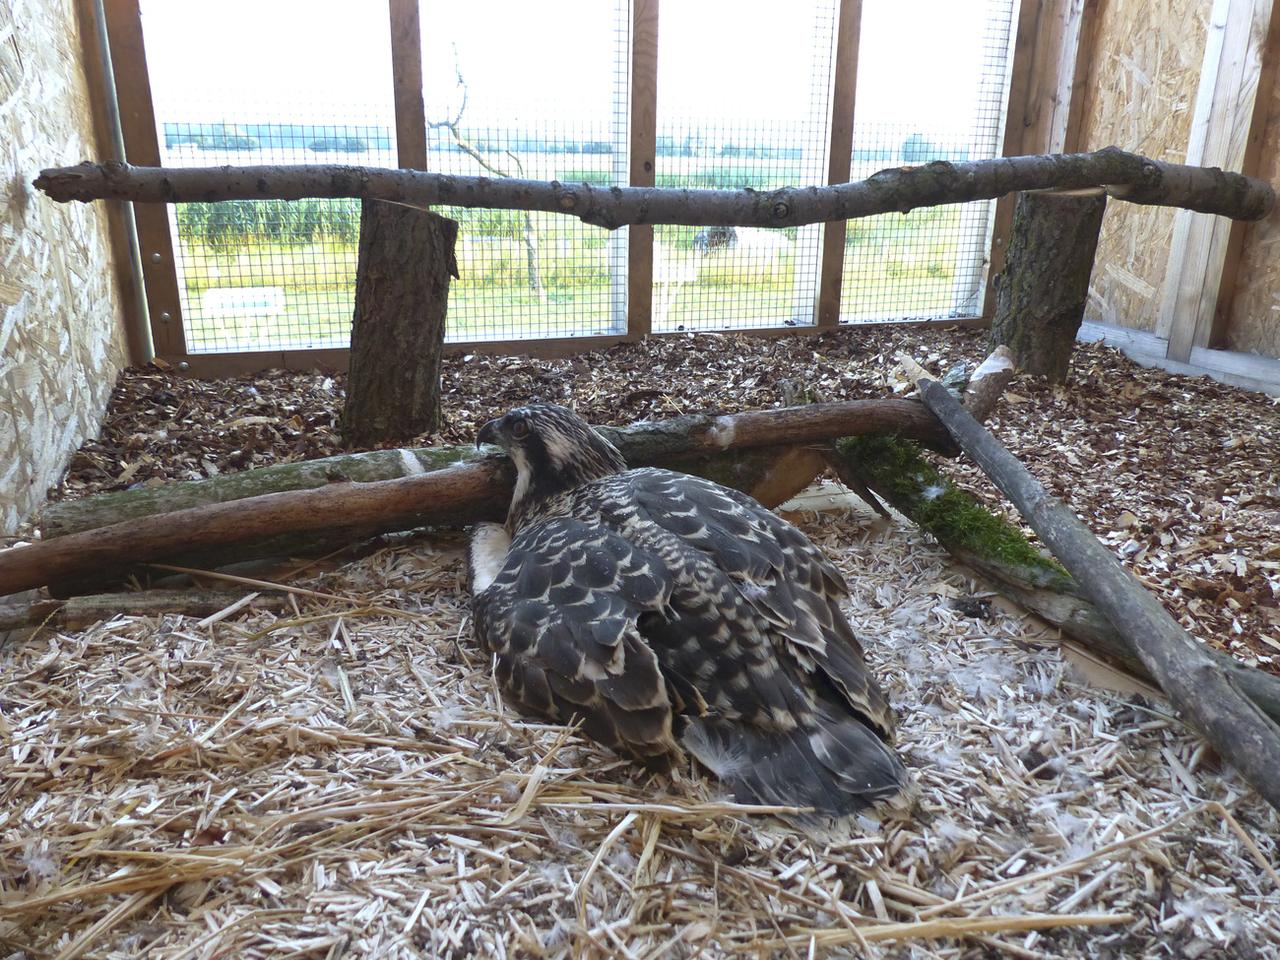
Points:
[(1052, 54), (1053, 57)]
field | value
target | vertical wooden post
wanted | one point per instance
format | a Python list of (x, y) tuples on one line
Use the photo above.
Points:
[(840, 157), (1225, 132), (406, 79), (1056, 84), (1079, 40), (1052, 54), (1040, 304), (402, 300), (142, 147), (120, 215), (1015, 124), (644, 141)]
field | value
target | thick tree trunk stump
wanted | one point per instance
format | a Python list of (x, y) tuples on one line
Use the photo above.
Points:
[(1045, 284), (402, 297)]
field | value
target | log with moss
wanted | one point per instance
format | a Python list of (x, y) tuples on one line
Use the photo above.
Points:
[(222, 520), (1197, 687), (694, 444), (998, 550)]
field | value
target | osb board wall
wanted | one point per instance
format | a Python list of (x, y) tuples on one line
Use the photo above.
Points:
[(61, 337), (1254, 324), (1140, 95)]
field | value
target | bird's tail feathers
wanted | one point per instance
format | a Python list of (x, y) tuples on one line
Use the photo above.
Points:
[(837, 766)]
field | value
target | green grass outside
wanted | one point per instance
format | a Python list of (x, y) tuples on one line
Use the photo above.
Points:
[(905, 264)]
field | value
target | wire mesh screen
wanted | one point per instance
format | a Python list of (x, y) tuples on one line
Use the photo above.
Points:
[(309, 83), (932, 85), (544, 97), (743, 101)]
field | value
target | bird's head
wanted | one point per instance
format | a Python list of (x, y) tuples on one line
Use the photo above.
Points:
[(554, 450)]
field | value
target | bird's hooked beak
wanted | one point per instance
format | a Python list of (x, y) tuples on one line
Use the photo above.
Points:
[(488, 433)]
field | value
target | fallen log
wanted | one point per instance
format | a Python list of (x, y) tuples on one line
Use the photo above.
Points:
[(996, 550), (76, 613), (472, 488), (1244, 736), (689, 443), (1124, 175)]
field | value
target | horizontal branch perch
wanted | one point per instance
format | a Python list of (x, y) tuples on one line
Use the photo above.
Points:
[(1124, 175), (473, 488)]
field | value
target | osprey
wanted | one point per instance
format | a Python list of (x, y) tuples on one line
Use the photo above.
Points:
[(670, 614)]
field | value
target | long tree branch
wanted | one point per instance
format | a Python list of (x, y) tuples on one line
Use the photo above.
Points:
[(1123, 175), (1209, 697), (453, 495)]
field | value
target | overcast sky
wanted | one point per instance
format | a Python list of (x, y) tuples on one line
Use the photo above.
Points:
[(554, 61)]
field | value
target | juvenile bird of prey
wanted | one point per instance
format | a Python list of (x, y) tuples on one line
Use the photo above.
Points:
[(672, 614)]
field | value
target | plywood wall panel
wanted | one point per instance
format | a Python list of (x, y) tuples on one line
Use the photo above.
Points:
[(1254, 324), (61, 334), (1139, 95)]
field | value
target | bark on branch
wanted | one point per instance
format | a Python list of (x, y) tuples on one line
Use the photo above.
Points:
[(1196, 686), (996, 550), (77, 613), (1124, 175), (456, 493)]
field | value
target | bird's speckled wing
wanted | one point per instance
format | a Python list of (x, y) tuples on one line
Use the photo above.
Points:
[(786, 579), (562, 616)]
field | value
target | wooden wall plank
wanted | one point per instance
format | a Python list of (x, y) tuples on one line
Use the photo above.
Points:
[(840, 156), (142, 146), (644, 141), (120, 214), (406, 80), (1225, 113), (1139, 94), (1231, 113), (1250, 298), (210, 365)]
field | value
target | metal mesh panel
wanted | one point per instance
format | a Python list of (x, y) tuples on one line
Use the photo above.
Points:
[(258, 275), (932, 85), (743, 101), (543, 97)]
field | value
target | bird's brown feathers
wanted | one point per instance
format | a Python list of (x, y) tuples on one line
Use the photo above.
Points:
[(667, 612)]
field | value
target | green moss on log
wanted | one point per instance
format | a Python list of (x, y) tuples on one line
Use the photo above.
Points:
[(896, 470)]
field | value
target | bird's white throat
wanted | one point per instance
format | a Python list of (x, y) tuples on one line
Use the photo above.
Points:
[(490, 544)]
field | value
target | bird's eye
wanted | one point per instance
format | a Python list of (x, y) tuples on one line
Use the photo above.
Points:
[(520, 429)]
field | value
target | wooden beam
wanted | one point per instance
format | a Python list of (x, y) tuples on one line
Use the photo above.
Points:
[(1225, 132), (212, 365), (1052, 54), (142, 146), (1024, 50), (840, 156), (120, 223), (406, 80), (1064, 50), (644, 150), (1079, 41)]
